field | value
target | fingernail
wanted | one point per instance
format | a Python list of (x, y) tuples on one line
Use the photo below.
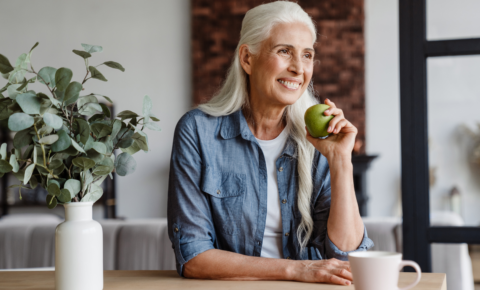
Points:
[(329, 129), (327, 99), (326, 111)]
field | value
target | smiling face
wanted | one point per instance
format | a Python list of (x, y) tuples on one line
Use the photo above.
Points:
[(281, 71)]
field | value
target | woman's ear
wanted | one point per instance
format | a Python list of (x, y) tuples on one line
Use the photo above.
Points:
[(245, 58)]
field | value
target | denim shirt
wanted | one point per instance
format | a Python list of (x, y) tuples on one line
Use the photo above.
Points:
[(217, 194)]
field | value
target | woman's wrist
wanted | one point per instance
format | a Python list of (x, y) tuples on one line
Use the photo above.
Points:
[(339, 159), (291, 270)]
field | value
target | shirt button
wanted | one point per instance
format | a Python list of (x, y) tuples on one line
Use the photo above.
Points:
[(218, 191), (288, 258), (176, 230), (287, 234), (280, 169), (258, 243), (284, 201)]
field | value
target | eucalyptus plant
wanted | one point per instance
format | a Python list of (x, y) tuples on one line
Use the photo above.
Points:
[(65, 142)]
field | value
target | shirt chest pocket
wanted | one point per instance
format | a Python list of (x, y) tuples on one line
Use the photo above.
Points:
[(226, 192)]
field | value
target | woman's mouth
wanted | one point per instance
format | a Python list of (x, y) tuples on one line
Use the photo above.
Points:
[(289, 85)]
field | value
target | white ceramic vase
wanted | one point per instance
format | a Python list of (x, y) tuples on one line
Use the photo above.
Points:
[(79, 250)]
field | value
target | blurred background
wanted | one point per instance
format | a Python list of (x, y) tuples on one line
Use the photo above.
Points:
[(178, 51)]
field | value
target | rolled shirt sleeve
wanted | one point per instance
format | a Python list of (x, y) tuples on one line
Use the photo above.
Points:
[(331, 251), (191, 229)]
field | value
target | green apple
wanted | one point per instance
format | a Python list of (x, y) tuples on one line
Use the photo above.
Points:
[(316, 121)]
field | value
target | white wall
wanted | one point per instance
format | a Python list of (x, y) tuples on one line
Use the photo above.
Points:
[(453, 99), (382, 99), (150, 38)]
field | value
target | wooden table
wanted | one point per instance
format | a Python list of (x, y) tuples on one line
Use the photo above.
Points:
[(145, 280)]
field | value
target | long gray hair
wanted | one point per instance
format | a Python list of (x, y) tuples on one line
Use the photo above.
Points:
[(233, 96)]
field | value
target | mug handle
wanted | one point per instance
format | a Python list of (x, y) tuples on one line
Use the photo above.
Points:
[(417, 269)]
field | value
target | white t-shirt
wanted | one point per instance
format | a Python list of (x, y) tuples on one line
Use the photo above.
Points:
[(272, 238)]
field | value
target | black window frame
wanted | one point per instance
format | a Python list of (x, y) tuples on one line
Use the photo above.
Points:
[(414, 51)]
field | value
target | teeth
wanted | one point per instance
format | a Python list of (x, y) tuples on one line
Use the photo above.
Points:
[(289, 84)]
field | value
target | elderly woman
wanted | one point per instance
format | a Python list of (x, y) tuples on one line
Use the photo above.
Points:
[(251, 194)]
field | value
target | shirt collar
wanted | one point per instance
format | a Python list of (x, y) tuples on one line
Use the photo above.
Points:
[(235, 124)]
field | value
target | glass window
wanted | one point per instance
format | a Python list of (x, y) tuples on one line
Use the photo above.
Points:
[(453, 19), (453, 85)]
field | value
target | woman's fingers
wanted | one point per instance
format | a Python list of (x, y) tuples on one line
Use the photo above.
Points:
[(333, 111), (338, 280), (344, 273), (333, 123), (338, 127), (330, 103)]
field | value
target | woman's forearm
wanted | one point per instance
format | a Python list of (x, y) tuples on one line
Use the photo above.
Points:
[(219, 264), (345, 226)]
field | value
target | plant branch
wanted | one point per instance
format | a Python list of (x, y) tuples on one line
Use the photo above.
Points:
[(43, 151), (86, 66)]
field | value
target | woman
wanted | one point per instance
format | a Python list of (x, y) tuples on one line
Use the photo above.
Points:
[(251, 194)]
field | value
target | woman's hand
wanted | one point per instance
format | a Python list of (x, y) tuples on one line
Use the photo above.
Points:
[(330, 271), (341, 142)]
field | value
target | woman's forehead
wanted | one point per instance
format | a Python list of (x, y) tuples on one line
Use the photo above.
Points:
[(296, 35)]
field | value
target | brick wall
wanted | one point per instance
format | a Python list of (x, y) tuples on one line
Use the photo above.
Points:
[(339, 76)]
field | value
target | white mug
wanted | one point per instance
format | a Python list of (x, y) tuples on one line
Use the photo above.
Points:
[(375, 270)]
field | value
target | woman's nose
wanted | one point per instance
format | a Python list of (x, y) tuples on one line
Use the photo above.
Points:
[(296, 66)]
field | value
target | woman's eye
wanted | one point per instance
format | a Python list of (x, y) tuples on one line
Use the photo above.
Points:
[(283, 51), (308, 55)]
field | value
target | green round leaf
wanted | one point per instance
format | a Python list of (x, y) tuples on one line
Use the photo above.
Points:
[(102, 170), (99, 147), (53, 121), (125, 164), (83, 163), (5, 66), (83, 54), (141, 141), (12, 91), (45, 130), (33, 182), (96, 74), (56, 163), (29, 102), (14, 163), (127, 115), (5, 167), (115, 65), (153, 126), (3, 151), (92, 48), (83, 130), (101, 130), (20, 121), (125, 143), (77, 146), (63, 76), (51, 201), (54, 189), (63, 142), (22, 138), (47, 76), (64, 196), (86, 99), (28, 173), (117, 125), (74, 186), (48, 140), (90, 109), (53, 181), (94, 194), (106, 110), (72, 93)]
